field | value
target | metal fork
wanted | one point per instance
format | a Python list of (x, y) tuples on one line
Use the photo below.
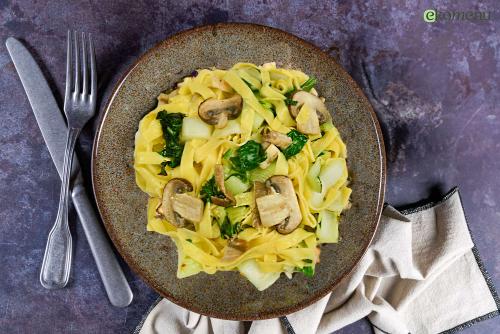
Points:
[(79, 107)]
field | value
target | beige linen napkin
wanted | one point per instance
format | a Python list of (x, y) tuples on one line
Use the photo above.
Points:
[(421, 274)]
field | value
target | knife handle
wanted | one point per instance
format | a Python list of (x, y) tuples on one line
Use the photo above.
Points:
[(112, 276)]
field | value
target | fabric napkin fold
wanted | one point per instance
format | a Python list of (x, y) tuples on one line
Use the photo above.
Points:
[(421, 274)]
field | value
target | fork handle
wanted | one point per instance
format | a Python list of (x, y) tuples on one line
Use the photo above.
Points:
[(56, 264)]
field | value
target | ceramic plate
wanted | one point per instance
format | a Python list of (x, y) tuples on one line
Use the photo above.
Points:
[(122, 205)]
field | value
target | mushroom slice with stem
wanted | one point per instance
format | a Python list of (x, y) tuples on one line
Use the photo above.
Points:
[(218, 112), (174, 186), (273, 209), (283, 185), (272, 153), (188, 207), (228, 199), (277, 138), (302, 97)]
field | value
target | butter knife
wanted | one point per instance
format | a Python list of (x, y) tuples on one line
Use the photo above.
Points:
[(53, 127)]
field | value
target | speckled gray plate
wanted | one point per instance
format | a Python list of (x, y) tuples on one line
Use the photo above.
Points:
[(122, 205)]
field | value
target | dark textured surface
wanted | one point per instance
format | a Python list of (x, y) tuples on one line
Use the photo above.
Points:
[(435, 88), (123, 205)]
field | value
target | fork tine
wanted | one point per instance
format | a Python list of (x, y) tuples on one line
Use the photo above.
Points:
[(77, 62), (93, 74), (84, 65), (69, 59)]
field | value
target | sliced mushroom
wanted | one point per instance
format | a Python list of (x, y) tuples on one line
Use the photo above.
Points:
[(273, 209), (259, 190), (234, 249), (283, 185), (277, 138), (271, 154), (221, 84), (218, 112), (173, 187), (302, 97), (307, 121), (228, 199), (188, 207)]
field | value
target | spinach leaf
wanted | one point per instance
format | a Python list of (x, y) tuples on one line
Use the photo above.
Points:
[(307, 271), (171, 125), (290, 102), (298, 142), (309, 84), (248, 157), (227, 230), (162, 168), (210, 189), (254, 90)]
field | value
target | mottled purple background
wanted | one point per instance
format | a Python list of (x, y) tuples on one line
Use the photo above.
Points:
[(435, 88)]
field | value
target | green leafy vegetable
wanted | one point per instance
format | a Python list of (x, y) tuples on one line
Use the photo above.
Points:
[(259, 174), (171, 125), (248, 157), (254, 89), (162, 168), (268, 106), (227, 230), (298, 142), (289, 101), (308, 261), (307, 271), (235, 185), (210, 189), (227, 154), (309, 84), (237, 214), (219, 213), (189, 240)]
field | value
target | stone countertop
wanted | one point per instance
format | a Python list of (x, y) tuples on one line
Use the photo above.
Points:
[(435, 88)]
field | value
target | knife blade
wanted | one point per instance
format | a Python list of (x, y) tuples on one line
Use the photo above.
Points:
[(53, 127)]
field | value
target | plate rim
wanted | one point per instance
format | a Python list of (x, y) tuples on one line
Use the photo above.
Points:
[(117, 244)]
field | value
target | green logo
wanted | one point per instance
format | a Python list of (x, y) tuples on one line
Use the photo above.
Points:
[(430, 15)]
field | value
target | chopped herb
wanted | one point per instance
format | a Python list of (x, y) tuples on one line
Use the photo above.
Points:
[(189, 240), (307, 271), (290, 102), (254, 90), (171, 125), (210, 189), (320, 154), (248, 157), (308, 261), (162, 168), (290, 93), (298, 142), (309, 84), (227, 230)]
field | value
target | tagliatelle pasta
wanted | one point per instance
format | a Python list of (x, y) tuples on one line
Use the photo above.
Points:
[(245, 171)]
